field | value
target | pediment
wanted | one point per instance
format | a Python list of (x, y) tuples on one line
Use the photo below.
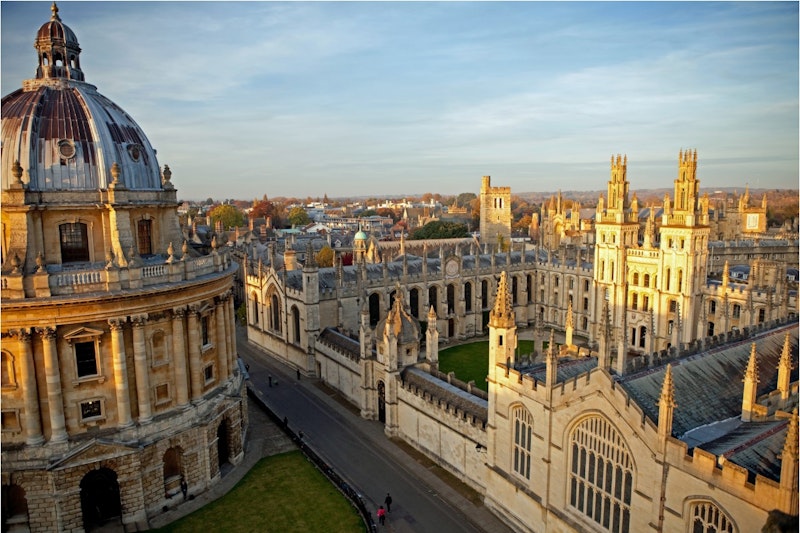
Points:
[(92, 451), (83, 334)]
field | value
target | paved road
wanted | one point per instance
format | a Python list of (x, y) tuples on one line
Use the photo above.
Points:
[(360, 452)]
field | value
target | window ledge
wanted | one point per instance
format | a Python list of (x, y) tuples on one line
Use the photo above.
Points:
[(89, 379), (92, 421)]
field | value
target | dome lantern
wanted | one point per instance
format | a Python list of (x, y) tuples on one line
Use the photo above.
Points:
[(59, 52)]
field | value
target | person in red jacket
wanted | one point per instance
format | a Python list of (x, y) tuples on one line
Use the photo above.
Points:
[(381, 515)]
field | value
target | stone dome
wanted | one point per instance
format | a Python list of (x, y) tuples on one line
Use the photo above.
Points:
[(69, 133)]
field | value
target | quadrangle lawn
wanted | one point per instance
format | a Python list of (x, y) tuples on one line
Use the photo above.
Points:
[(471, 361)]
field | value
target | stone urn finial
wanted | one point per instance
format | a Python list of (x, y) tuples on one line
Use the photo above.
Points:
[(214, 244), (185, 250), (167, 176), (170, 253), (14, 263), (109, 259)]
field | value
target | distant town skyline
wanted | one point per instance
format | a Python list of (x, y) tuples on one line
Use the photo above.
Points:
[(353, 99)]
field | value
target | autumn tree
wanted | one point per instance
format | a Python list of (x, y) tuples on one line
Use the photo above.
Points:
[(298, 217), (265, 209), (325, 257), (229, 215)]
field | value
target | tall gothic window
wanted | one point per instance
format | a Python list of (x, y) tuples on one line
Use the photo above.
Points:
[(275, 316), (601, 474), (74, 242), (523, 428), (708, 518), (468, 297)]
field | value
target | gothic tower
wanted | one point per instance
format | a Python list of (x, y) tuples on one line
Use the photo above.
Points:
[(616, 227), (495, 213)]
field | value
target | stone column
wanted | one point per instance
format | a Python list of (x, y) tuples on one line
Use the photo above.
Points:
[(120, 372), (233, 350), (221, 341), (58, 428), (140, 367), (179, 357), (33, 424), (230, 331), (195, 372)]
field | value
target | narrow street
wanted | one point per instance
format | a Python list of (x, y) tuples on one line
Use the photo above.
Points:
[(360, 452)]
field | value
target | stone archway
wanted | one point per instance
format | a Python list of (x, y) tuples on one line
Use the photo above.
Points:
[(382, 401), (100, 499), (223, 447)]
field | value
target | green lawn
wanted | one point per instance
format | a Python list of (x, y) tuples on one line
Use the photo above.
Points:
[(282, 493), (471, 361)]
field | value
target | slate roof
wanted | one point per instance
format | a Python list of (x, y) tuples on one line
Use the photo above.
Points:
[(708, 386), (342, 342), (755, 446), (568, 368), (450, 394)]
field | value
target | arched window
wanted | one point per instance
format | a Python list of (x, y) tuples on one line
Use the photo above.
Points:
[(647, 280), (296, 324), (523, 429), (451, 299), (173, 472), (254, 314), (74, 242), (275, 313), (374, 309), (706, 517), (468, 297), (514, 287), (669, 276), (144, 230), (414, 302), (433, 298), (642, 335), (529, 287), (635, 278), (601, 474)]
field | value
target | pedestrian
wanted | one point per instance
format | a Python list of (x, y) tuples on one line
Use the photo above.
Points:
[(285, 422), (184, 488), (381, 515), (300, 434), (388, 502), (270, 380), (298, 373)]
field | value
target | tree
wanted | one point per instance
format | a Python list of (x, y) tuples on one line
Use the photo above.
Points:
[(265, 209), (465, 198), (325, 257), (367, 213), (229, 215), (298, 217), (440, 230)]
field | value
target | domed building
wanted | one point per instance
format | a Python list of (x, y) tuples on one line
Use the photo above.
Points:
[(120, 377)]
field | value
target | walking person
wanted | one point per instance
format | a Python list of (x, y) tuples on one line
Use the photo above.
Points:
[(298, 373), (270, 380), (381, 515), (184, 488), (388, 502)]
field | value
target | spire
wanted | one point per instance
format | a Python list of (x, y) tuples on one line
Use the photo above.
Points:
[(785, 368), (502, 315), (551, 361), (726, 273), (603, 356), (750, 393), (432, 339), (569, 326), (789, 486), (666, 406)]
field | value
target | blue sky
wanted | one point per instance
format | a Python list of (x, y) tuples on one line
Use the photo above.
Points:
[(388, 98)]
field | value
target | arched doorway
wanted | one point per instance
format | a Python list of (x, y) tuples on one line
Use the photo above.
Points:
[(451, 328), (381, 401), (100, 500), (223, 449), (15, 508)]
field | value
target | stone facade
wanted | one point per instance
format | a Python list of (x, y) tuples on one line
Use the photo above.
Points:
[(495, 214), (119, 368)]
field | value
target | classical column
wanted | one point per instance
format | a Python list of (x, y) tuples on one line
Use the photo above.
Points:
[(120, 372), (195, 372), (33, 425), (179, 357), (140, 367), (58, 428), (221, 342), (232, 324), (230, 331)]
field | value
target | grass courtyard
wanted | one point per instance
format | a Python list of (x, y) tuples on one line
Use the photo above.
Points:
[(470, 362), (282, 493)]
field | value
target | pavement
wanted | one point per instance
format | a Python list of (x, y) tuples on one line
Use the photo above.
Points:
[(265, 438)]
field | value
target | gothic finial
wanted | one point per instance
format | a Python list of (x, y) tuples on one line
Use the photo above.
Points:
[(15, 262), (752, 366), (790, 447), (667, 397), (167, 176)]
